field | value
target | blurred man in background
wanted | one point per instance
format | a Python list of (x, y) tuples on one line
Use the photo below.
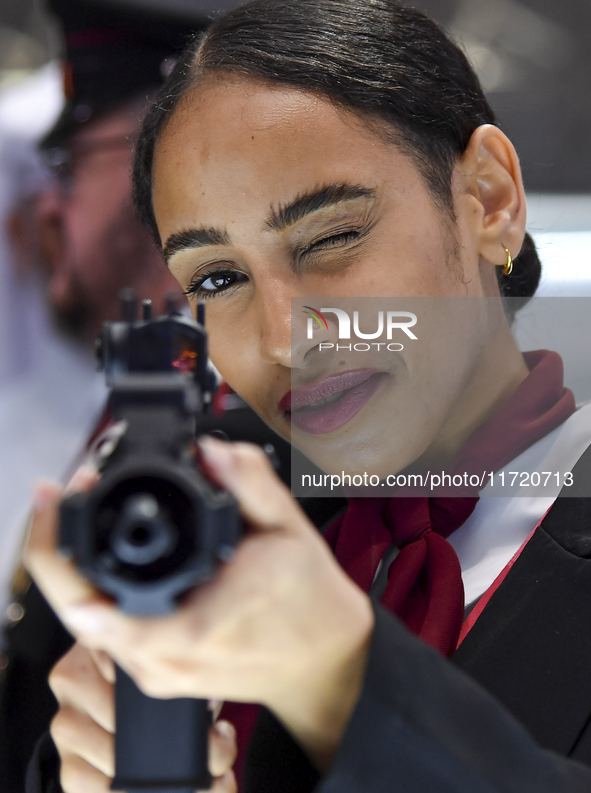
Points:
[(88, 244), (89, 238)]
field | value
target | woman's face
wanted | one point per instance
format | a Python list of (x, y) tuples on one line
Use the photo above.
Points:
[(263, 194)]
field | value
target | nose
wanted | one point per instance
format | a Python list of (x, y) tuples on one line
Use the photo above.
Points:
[(309, 330), (292, 329)]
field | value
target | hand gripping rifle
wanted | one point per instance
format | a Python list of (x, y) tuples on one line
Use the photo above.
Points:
[(153, 527)]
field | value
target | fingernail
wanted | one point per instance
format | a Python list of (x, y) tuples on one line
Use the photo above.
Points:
[(86, 619), (44, 494), (218, 454), (84, 476), (225, 729)]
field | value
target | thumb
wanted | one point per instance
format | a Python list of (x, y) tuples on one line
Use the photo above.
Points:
[(245, 471)]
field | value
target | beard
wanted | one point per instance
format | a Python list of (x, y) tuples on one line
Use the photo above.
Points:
[(77, 316), (124, 256)]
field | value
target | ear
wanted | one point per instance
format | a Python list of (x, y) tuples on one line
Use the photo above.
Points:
[(52, 238), (492, 188)]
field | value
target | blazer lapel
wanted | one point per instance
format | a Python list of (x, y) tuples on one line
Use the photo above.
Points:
[(531, 646)]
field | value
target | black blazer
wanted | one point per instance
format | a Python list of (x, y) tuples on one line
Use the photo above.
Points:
[(510, 713)]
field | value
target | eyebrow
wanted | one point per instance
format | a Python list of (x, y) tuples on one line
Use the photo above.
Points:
[(329, 195), (279, 219), (194, 238)]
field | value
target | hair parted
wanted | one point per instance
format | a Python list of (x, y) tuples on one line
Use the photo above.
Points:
[(387, 63)]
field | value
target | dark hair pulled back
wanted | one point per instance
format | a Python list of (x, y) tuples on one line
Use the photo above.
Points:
[(383, 61)]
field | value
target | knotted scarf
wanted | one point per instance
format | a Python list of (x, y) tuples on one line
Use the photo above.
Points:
[(424, 586)]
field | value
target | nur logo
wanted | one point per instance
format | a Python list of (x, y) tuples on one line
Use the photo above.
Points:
[(394, 320)]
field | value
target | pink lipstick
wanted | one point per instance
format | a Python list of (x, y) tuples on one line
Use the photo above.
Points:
[(331, 402)]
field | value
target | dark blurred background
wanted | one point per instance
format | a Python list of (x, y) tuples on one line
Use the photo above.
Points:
[(534, 61), (533, 57)]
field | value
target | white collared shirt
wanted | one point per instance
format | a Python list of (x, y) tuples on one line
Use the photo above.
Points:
[(498, 527)]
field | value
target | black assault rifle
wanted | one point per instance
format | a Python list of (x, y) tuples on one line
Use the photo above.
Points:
[(154, 526)]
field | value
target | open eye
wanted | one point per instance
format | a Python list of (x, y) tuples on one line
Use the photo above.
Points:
[(215, 283)]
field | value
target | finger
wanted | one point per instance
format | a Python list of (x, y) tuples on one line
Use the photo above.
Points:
[(75, 733), (83, 480), (57, 578), (78, 776), (246, 472), (105, 665), (222, 748), (77, 682)]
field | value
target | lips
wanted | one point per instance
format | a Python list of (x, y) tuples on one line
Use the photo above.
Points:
[(332, 402)]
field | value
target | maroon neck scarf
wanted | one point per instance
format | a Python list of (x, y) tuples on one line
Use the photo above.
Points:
[(425, 587)]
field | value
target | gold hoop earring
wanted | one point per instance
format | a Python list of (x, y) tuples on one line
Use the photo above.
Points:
[(508, 266)]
